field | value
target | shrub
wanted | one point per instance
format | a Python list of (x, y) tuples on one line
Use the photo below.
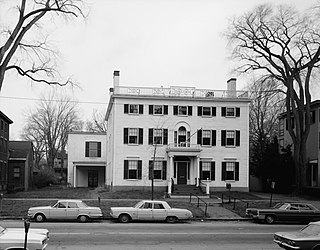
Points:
[(45, 177)]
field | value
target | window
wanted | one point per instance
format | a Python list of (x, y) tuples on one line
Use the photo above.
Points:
[(230, 171), (158, 136), (72, 205), (158, 206), (206, 111), (158, 109), (207, 170), (230, 112), (16, 172), (2, 124), (281, 127), (93, 149), (133, 109), (5, 127), (132, 169), (147, 205), (206, 137), (133, 136), (230, 138), (182, 110), (292, 123), (159, 170)]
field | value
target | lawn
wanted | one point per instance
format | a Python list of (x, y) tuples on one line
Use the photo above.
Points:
[(17, 204)]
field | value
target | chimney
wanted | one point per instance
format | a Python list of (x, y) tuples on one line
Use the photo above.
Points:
[(232, 88), (116, 78)]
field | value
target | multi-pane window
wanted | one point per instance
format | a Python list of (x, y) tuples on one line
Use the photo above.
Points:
[(159, 170), (133, 136), (230, 171), (158, 109), (230, 111), (206, 111), (93, 149), (133, 108), (16, 172), (158, 136), (207, 170), (230, 138), (206, 137), (182, 110), (132, 169)]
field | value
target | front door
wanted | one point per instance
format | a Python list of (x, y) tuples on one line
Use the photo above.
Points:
[(182, 172), (93, 178)]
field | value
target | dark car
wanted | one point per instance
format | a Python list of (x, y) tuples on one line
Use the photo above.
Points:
[(308, 238), (301, 212)]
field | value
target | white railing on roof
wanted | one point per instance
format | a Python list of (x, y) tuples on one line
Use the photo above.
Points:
[(175, 91)]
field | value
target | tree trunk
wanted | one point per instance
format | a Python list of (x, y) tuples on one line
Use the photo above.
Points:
[(300, 161)]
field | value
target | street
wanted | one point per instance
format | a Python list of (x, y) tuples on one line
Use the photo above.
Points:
[(189, 235)]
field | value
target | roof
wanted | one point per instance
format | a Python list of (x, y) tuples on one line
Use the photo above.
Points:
[(19, 149), (313, 105), (5, 117)]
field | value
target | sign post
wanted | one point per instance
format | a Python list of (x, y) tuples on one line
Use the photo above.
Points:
[(272, 188)]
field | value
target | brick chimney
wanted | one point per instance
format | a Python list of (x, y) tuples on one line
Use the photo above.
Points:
[(232, 88), (116, 78)]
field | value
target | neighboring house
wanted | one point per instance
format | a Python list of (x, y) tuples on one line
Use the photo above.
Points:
[(313, 143), (86, 159), (192, 136), (4, 150), (57, 164), (20, 168)]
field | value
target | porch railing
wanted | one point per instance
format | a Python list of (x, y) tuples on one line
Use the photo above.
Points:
[(199, 202)]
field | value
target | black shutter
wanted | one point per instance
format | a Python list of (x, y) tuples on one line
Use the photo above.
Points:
[(199, 137), (214, 111), (190, 110), (165, 136), (126, 170), (237, 112), (175, 110), (126, 108), (237, 137), (214, 137), (139, 169), (141, 109), (164, 170), (150, 169), (99, 149), (223, 137), (199, 110), (237, 171), (140, 135), (87, 150), (223, 111), (165, 109), (213, 171), (150, 136), (201, 174), (223, 172), (125, 136), (150, 109)]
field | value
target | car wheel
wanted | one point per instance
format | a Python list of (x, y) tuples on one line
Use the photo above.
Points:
[(270, 219), (83, 218), (171, 219), (124, 218), (39, 218)]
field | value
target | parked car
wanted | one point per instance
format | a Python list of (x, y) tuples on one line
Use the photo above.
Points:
[(13, 238), (285, 212), (65, 210), (150, 210), (308, 238)]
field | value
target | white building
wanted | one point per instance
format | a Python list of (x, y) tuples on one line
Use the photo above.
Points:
[(192, 135), (86, 159)]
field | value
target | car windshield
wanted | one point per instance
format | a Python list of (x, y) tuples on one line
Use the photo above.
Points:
[(138, 204), (82, 204), (311, 229)]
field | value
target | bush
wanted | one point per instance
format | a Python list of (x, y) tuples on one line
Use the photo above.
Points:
[(45, 177)]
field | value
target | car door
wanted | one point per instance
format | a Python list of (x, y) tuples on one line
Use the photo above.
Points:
[(72, 210), (59, 211), (159, 212), (306, 213), (145, 211)]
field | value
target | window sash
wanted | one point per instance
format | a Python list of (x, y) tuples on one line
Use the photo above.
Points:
[(182, 110), (230, 137), (133, 108), (206, 111), (158, 109), (157, 136), (133, 136), (230, 170), (93, 149), (230, 112)]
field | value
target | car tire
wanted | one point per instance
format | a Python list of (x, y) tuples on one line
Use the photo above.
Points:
[(39, 218), (270, 219), (83, 218), (171, 219), (124, 218)]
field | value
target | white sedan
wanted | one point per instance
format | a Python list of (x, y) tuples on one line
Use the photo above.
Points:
[(13, 238), (65, 210), (150, 210)]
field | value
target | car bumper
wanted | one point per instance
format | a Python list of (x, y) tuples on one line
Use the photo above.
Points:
[(285, 245)]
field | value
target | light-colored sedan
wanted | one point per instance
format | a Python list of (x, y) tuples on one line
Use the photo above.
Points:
[(13, 238), (65, 210), (150, 210)]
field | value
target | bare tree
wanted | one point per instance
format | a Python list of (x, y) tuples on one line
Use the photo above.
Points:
[(98, 123), (285, 45), (36, 58), (52, 119)]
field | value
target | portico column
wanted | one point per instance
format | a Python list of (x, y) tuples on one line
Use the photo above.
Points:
[(198, 171), (170, 174), (74, 175)]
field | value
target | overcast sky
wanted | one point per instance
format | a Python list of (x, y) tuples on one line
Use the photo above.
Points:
[(151, 43)]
